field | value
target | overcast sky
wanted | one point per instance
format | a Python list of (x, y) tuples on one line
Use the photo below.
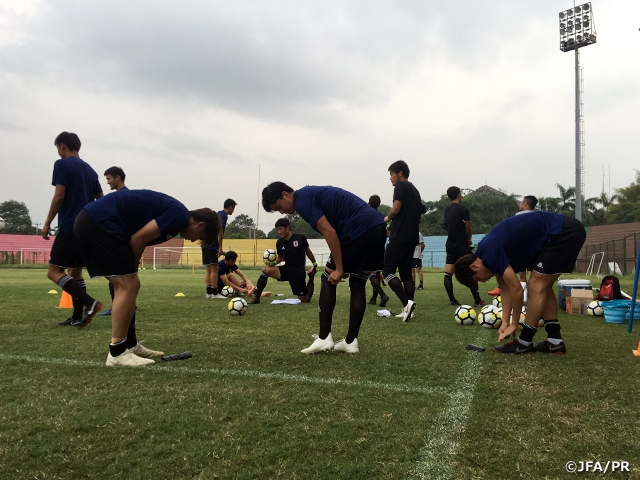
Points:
[(194, 98)]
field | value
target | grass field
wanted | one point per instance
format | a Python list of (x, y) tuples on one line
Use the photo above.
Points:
[(412, 404)]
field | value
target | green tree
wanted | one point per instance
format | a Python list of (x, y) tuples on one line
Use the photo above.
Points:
[(16, 215), (567, 204), (628, 207), (242, 226)]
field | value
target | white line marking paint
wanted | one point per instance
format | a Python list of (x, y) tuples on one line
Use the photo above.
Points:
[(287, 377), (443, 437)]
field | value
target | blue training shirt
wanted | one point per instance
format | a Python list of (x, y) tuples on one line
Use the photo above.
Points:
[(81, 187), (518, 240), (127, 211), (348, 214)]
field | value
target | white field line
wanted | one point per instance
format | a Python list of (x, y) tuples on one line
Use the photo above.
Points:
[(443, 437), (287, 377)]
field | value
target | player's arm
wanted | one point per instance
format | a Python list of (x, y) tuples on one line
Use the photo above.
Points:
[(143, 237), (395, 210), (512, 295), (314, 265), (247, 283), (331, 237), (56, 203), (220, 235), (467, 226)]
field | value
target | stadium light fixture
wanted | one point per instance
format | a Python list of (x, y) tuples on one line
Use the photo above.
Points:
[(577, 30)]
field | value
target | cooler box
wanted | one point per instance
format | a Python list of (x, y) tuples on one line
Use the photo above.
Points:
[(566, 286)]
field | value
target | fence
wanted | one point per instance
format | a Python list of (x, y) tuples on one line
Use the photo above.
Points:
[(620, 253), (26, 256)]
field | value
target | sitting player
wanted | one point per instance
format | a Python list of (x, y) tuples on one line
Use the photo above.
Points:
[(292, 248), (228, 273)]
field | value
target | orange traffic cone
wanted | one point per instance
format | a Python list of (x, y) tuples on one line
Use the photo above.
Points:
[(65, 301), (637, 352)]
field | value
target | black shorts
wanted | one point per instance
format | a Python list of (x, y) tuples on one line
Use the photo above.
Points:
[(363, 254), (399, 255), (106, 252), (65, 252), (454, 254), (296, 278), (210, 254), (561, 253), (417, 263)]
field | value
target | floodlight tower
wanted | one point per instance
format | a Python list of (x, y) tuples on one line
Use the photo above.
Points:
[(577, 30)]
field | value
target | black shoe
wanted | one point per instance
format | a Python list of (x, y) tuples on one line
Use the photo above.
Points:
[(420, 287), (514, 347), (479, 304), (455, 302), (67, 322), (384, 300), (89, 312), (254, 301), (548, 347), (372, 301)]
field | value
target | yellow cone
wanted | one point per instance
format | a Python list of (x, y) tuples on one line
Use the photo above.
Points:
[(180, 294), (52, 291)]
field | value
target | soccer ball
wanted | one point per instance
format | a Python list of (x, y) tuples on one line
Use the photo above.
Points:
[(595, 309), (269, 256), (487, 317), (465, 315), (497, 301), (2, 224), (237, 306), (227, 291)]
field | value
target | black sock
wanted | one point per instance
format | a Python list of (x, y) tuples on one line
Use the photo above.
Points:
[(552, 327), (396, 285), (78, 306), (410, 289), (73, 288), (261, 284), (448, 286), (476, 295), (214, 290), (132, 339), (377, 288), (526, 337), (326, 305), (209, 290), (357, 306), (118, 348)]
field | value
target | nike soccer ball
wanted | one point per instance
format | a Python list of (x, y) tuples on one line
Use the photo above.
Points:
[(487, 317), (269, 257), (237, 306), (228, 291), (595, 309), (2, 224), (465, 315), (497, 301)]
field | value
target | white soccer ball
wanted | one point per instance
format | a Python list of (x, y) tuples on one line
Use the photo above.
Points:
[(595, 309), (3, 224), (269, 257), (237, 306), (487, 317), (228, 291), (497, 301), (465, 315)]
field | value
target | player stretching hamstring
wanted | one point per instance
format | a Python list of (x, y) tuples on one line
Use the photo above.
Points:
[(292, 248)]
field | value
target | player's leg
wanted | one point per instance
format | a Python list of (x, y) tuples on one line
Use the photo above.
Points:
[(208, 275), (326, 305), (449, 270), (215, 282), (273, 272), (392, 259), (357, 306), (374, 278)]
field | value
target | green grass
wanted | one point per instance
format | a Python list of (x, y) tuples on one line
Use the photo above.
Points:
[(412, 404)]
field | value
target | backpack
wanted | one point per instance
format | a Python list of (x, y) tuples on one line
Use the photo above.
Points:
[(609, 289)]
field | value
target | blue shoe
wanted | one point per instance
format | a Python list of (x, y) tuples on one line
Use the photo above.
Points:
[(108, 312)]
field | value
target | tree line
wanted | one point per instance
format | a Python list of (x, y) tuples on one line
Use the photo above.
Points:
[(487, 206)]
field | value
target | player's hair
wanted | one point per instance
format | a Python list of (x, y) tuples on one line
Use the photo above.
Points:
[(211, 224), (453, 192), (464, 274), (531, 201), (228, 203), (374, 201), (400, 166), (71, 140), (115, 172), (230, 255), (283, 222), (272, 193)]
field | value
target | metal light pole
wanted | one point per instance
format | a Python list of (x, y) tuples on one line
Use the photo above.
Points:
[(577, 30)]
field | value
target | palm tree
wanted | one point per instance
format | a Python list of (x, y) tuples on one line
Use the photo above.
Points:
[(567, 200)]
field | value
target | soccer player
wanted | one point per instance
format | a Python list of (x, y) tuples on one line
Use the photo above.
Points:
[(355, 234), (115, 179), (211, 253), (76, 184), (546, 243), (417, 262), (228, 273), (405, 216), (376, 278), (112, 234), (457, 223), (292, 249)]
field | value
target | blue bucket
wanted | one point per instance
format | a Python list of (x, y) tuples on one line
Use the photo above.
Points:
[(615, 310)]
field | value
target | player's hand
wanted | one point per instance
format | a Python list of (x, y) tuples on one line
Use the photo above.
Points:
[(421, 256), (508, 331), (336, 276), (45, 231), (313, 269)]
